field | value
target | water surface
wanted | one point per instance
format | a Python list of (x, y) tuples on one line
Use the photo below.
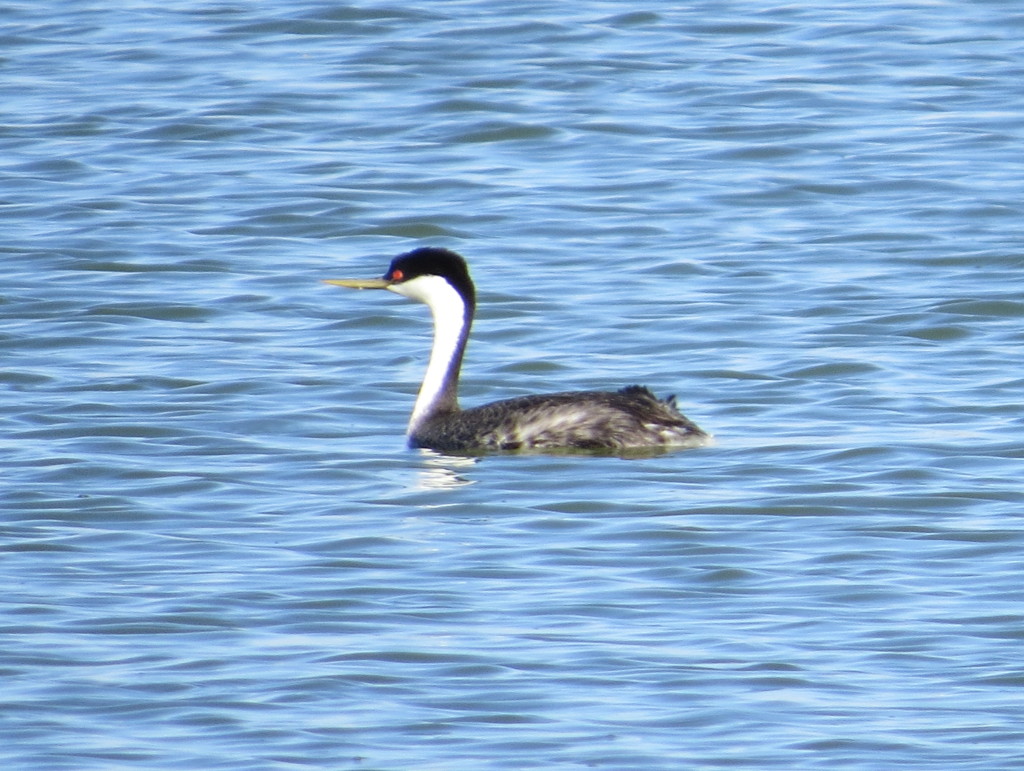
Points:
[(804, 221)]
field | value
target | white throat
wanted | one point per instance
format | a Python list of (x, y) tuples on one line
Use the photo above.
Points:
[(449, 312)]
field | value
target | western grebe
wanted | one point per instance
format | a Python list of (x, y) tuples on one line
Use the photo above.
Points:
[(630, 419)]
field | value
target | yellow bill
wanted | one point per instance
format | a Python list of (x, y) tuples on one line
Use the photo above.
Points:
[(359, 283)]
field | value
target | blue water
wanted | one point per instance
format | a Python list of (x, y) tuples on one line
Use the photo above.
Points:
[(804, 220)]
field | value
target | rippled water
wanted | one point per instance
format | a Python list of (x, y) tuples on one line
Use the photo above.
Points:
[(806, 221)]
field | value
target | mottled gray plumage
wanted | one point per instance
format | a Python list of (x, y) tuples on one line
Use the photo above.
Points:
[(585, 420)]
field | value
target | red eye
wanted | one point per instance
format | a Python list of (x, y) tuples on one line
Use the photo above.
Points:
[(397, 275)]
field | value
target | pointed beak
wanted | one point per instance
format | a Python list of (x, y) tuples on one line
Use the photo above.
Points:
[(359, 283)]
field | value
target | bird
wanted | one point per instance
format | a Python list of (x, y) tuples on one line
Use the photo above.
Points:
[(630, 419)]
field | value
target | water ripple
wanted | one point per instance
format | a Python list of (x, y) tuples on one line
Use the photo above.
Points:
[(805, 224)]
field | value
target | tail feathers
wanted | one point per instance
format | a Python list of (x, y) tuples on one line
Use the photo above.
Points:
[(643, 392)]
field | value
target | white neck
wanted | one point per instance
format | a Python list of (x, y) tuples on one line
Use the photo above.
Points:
[(450, 322)]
